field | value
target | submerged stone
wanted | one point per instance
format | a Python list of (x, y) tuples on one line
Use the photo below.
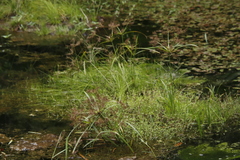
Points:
[(128, 158), (34, 142)]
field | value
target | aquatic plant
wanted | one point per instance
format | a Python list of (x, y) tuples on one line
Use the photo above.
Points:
[(170, 48), (206, 151), (128, 103)]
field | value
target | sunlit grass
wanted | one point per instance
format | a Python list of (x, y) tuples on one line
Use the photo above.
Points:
[(45, 16), (143, 96), (132, 103)]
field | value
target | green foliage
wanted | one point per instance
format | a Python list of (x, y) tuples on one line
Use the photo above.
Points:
[(46, 11), (205, 151), (46, 16), (106, 98), (130, 102)]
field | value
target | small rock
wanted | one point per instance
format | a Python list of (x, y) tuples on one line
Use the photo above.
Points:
[(31, 144), (128, 158)]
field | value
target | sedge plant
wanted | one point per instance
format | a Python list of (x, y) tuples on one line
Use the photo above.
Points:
[(132, 103)]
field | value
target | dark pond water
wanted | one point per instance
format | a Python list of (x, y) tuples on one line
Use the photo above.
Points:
[(27, 131), (25, 57)]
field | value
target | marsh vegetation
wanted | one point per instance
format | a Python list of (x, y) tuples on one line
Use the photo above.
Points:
[(143, 78)]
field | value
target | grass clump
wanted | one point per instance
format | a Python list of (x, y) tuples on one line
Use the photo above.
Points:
[(133, 102), (45, 16)]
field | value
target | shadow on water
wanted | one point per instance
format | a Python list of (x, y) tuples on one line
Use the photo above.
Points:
[(27, 131), (25, 58), (20, 114)]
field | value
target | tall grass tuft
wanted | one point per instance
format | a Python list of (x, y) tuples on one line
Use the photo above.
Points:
[(131, 103)]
